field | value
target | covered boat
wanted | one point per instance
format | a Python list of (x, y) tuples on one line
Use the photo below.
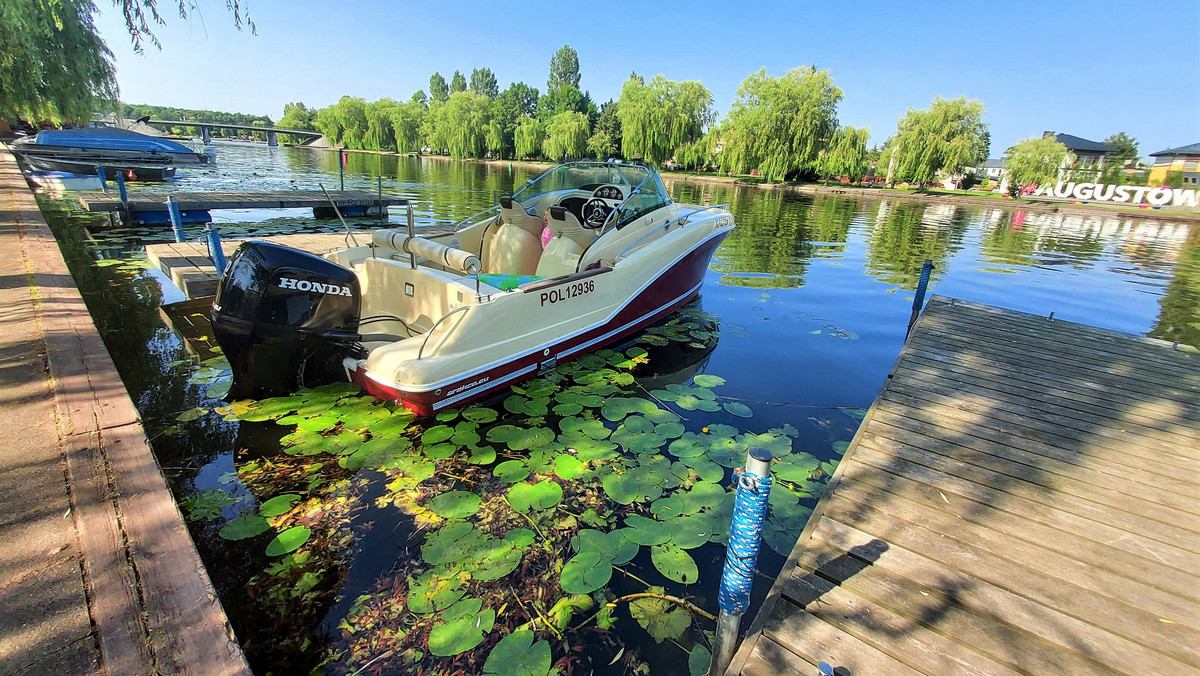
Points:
[(583, 256), (109, 142), (149, 168)]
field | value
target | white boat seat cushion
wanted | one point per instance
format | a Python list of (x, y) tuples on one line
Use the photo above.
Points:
[(514, 251), (511, 211), (563, 222)]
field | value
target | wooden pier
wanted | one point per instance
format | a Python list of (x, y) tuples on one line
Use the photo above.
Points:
[(363, 201), (189, 267), (1020, 499)]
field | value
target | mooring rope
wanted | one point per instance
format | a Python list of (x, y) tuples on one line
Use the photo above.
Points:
[(745, 537)]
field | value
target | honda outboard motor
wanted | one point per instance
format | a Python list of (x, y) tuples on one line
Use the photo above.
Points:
[(285, 319)]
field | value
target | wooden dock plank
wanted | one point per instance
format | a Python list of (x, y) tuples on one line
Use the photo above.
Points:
[(272, 199), (1018, 499)]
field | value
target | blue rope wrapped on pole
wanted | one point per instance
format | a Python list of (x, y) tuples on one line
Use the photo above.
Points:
[(213, 237), (745, 538)]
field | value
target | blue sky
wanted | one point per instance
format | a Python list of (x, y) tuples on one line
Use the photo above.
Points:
[(1088, 69)]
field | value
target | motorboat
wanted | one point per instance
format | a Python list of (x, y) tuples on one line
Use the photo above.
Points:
[(110, 142), (583, 256), (57, 182), (130, 168)]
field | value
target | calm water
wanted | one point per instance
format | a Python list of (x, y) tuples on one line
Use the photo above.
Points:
[(812, 296)]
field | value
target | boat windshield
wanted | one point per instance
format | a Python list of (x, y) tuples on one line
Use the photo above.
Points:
[(584, 176)]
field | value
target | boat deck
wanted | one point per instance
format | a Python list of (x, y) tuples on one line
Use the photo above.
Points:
[(1021, 498)]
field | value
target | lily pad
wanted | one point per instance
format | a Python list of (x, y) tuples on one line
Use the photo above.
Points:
[(542, 495), (455, 504), (617, 408), (568, 467), (511, 471), (288, 541), (517, 655), (661, 618), (674, 563), (245, 527), (480, 415), (708, 380), (698, 661), (432, 592), (436, 435), (462, 634), (586, 572), (280, 504)]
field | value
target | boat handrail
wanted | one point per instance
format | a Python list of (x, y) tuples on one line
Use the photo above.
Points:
[(669, 223), (435, 325), (472, 217)]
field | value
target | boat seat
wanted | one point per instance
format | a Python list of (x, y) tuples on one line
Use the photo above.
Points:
[(514, 250), (511, 211), (563, 222), (561, 257)]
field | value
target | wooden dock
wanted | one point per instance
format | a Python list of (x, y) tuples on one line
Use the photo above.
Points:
[(1020, 499), (156, 202), (189, 267)]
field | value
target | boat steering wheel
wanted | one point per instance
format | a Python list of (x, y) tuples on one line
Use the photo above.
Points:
[(597, 210)]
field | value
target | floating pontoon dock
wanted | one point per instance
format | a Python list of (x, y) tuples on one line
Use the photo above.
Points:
[(1020, 499), (152, 207)]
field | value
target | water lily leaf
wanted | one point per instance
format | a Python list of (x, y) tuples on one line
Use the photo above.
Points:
[(280, 504), (708, 380), (841, 446), (480, 415), (689, 445), (191, 414), (446, 416), (643, 531), (622, 487), (378, 454), (530, 438), (288, 541), (517, 655), (455, 541), (206, 504), (542, 495), (461, 635), (431, 592), (739, 409), (797, 473), (706, 469), (586, 572), (439, 451), (568, 467), (594, 429), (698, 661), (321, 423), (364, 419), (464, 607), (674, 563), (690, 532), (662, 619), (245, 527), (669, 430), (617, 408), (568, 409), (781, 538), (483, 455), (496, 561), (436, 435), (502, 434), (455, 504), (511, 471), (220, 389)]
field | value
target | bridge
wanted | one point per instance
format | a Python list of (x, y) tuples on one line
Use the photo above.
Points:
[(207, 127)]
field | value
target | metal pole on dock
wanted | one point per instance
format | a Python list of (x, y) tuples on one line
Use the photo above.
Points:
[(103, 182), (123, 192), (342, 168), (379, 192), (919, 299), (175, 216), (412, 257), (745, 537), (213, 238)]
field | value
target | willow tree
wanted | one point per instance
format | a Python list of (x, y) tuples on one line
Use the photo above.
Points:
[(467, 118), (780, 125), (1033, 161), (434, 129), (660, 116), (295, 116), (566, 136), (512, 105), (948, 136), (54, 64), (406, 126), (379, 134), (344, 122), (528, 137), (847, 153)]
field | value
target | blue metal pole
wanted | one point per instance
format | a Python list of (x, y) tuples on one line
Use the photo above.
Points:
[(122, 191), (214, 248), (745, 537), (103, 182), (176, 218), (919, 299)]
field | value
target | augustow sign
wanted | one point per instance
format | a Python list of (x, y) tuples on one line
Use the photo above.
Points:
[(1120, 194)]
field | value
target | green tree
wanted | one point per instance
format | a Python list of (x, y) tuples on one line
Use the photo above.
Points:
[(1034, 161), (948, 136), (420, 97), (518, 101), (345, 122), (606, 139), (780, 125), (467, 118), (406, 126), (529, 136), (438, 91), (697, 154), (1127, 148), (53, 63), (847, 153), (296, 116), (458, 83), (561, 100), (483, 83), (434, 129), (660, 116), (566, 136), (564, 69), (140, 14), (380, 134)]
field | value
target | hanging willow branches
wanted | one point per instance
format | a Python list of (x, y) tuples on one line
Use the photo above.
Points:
[(946, 137), (660, 116)]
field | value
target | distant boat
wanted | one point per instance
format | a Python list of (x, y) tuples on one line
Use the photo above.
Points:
[(111, 141)]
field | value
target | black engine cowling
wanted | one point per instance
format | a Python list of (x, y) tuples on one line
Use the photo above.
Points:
[(285, 319)]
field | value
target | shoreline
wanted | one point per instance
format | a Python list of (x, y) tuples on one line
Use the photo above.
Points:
[(1046, 206)]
